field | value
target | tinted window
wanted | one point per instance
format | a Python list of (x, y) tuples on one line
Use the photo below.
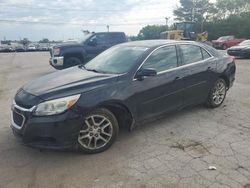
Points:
[(162, 59), (117, 38), (100, 38), (205, 54), (191, 53)]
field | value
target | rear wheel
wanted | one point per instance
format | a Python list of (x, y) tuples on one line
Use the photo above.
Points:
[(217, 94), (98, 132), (72, 61)]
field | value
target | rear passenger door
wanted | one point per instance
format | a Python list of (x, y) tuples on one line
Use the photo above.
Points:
[(198, 72)]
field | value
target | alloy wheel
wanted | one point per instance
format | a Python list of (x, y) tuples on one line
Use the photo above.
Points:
[(219, 92), (96, 132)]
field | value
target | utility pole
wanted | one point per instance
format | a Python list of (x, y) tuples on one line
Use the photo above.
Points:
[(192, 17), (167, 18), (108, 28)]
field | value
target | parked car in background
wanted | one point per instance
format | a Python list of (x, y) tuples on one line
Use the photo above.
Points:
[(20, 48), (31, 48), (241, 50), (70, 54), (6, 48), (84, 106), (43, 47), (226, 42)]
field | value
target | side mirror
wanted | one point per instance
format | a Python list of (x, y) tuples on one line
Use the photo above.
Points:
[(145, 73)]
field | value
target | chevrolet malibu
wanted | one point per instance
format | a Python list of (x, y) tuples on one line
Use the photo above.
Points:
[(84, 107)]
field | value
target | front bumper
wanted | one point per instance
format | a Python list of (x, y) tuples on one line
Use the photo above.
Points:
[(49, 132), (56, 62)]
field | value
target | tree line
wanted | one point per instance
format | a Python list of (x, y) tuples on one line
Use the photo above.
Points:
[(224, 17)]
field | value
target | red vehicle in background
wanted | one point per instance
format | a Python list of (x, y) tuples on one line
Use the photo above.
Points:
[(226, 42)]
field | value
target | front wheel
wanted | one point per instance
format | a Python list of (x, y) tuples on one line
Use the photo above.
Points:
[(98, 132), (224, 47), (72, 61), (217, 94)]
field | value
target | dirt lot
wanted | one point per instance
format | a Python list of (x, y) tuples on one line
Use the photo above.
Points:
[(175, 151)]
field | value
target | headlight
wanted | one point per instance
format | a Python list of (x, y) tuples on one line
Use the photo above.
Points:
[(56, 106), (56, 51)]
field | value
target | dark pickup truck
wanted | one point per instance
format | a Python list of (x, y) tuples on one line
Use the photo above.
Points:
[(74, 53)]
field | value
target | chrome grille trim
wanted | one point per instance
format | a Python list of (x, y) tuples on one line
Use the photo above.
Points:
[(15, 106)]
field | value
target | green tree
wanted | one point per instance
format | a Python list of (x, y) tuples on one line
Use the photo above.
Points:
[(44, 40), (237, 25), (227, 8), (193, 10), (151, 32), (198, 11), (25, 41)]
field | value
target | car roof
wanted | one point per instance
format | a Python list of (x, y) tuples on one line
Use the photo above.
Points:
[(108, 33), (154, 43)]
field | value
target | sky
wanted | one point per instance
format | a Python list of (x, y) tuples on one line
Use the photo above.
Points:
[(65, 19)]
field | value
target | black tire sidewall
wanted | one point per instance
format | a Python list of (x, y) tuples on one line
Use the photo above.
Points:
[(109, 115), (210, 102), (224, 47)]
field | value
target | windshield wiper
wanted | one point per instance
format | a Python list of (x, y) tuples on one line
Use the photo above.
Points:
[(93, 70)]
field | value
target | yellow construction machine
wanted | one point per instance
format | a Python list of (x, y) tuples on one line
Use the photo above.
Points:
[(184, 31)]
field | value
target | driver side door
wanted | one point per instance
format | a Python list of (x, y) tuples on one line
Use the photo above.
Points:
[(161, 93)]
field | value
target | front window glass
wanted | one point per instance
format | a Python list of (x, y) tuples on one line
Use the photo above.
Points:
[(83, 39), (163, 59), (205, 54), (116, 60), (226, 38)]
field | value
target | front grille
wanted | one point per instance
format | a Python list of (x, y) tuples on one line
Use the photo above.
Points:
[(18, 119)]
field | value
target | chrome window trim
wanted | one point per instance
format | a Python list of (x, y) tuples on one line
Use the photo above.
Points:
[(178, 67), (166, 45)]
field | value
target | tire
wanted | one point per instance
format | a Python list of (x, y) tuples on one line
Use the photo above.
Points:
[(72, 61), (99, 131), (224, 47), (217, 94)]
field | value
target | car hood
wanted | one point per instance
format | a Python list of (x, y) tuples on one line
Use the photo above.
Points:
[(240, 47), (66, 82), (66, 45)]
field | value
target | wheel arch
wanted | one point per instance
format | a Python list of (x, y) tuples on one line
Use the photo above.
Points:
[(74, 54), (123, 114)]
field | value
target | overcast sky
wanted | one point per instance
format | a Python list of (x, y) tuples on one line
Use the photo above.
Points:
[(64, 19)]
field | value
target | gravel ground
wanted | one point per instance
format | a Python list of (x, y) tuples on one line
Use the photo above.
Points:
[(174, 151)]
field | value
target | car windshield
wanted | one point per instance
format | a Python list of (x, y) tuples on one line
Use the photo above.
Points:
[(84, 38), (116, 60), (246, 42), (225, 38)]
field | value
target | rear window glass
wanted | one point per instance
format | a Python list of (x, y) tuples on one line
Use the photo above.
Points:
[(191, 53), (205, 54)]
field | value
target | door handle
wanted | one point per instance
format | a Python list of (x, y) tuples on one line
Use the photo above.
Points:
[(209, 68), (177, 78)]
